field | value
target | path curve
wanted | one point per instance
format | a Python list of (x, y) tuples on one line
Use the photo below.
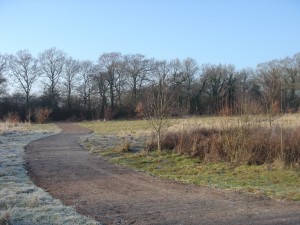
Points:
[(114, 195)]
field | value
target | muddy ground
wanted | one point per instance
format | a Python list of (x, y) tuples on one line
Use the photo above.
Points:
[(114, 195)]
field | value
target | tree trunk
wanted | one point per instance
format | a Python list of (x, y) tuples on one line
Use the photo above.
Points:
[(158, 141)]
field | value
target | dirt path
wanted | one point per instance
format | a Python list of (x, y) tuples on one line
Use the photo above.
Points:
[(114, 195)]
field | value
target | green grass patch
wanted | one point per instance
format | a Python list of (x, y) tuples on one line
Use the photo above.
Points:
[(264, 180)]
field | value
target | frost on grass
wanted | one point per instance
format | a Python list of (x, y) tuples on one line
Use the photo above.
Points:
[(21, 202), (97, 143)]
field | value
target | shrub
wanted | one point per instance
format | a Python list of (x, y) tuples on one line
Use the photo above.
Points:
[(237, 145), (139, 110), (42, 115), (12, 118), (124, 146)]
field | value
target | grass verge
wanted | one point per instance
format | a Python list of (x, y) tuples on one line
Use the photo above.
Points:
[(8, 127), (264, 180)]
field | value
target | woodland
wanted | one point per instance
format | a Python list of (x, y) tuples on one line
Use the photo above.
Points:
[(55, 86)]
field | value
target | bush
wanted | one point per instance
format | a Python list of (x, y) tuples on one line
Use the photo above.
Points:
[(139, 110), (42, 115), (12, 118), (238, 145)]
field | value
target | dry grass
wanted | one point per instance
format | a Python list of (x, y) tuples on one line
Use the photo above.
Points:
[(7, 126), (142, 127), (239, 140), (217, 122), (237, 145)]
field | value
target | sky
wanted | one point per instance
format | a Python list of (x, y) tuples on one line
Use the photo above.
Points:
[(239, 32)]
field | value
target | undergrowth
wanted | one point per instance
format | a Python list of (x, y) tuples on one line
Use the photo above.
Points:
[(237, 145)]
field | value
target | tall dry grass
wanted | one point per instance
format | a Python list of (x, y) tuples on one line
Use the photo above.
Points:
[(6, 127), (11, 123), (244, 143)]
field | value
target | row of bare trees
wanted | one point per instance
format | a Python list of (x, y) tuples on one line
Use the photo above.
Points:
[(123, 85), (274, 83)]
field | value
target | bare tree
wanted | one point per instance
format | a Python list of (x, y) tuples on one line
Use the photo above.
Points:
[(214, 79), (87, 72), (3, 69), (70, 77), (24, 71), (52, 63), (101, 89), (136, 68), (190, 69), (230, 95), (245, 99), (180, 81), (270, 80), (109, 63), (159, 101), (176, 76), (291, 78), (120, 85), (297, 62)]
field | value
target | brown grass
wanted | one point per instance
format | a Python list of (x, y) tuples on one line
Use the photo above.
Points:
[(255, 145)]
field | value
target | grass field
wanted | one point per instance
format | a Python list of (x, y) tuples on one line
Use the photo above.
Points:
[(271, 180), (142, 126)]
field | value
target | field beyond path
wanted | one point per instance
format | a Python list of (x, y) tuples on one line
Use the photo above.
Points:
[(114, 195)]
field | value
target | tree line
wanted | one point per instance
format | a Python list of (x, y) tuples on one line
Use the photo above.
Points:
[(119, 86)]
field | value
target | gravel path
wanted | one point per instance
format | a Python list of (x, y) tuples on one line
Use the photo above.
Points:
[(21, 201), (114, 195)]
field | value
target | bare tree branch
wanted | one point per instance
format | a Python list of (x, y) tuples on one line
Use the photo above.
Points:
[(24, 71)]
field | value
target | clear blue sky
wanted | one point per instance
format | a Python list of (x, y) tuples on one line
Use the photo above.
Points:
[(240, 32)]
